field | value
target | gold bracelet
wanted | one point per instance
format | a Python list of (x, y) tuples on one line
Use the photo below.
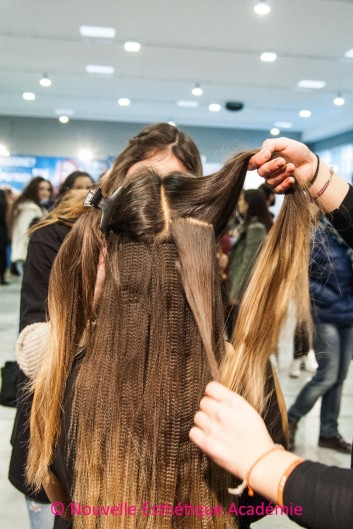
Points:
[(284, 478), (246, 484)]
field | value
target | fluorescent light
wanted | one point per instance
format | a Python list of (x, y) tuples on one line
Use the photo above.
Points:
[(4, 152), (197, 90), (45, 81), (99, 70), (189, 104), (305, 113), (339, 100), (214, 107), (132, 46), (283, 124), (124, 101), (29, 96), (306, 83), (349, 54), (262, 8), (268, 56), (64, 119), (64, 112), (101, 32), (85, 155), (275, 131)]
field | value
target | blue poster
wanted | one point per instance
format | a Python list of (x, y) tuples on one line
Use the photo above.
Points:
[(17, 171)]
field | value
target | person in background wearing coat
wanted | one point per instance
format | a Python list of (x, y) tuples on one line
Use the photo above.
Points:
[(27, 208), (257, 222), (331, 292), (4, 236)]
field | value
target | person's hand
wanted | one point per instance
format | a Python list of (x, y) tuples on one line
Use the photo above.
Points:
[(292, 156), (229, 430)]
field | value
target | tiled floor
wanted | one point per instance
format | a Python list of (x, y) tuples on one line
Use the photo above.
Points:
[(12, 506)]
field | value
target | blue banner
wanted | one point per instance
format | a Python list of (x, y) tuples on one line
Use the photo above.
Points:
[(17, 171)]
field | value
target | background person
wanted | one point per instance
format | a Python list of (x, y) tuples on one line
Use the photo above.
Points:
[(331, 291), (27, 208)]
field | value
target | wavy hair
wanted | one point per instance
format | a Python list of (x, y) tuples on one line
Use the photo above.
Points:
[(156, 342)]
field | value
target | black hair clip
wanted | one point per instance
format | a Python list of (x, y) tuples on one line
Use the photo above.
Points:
[(107, 205)]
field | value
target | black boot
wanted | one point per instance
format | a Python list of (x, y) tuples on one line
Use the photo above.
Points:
[(2, 280), (335, 443)]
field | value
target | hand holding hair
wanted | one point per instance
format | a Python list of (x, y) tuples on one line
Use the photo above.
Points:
[(232, 433), (296, 160)]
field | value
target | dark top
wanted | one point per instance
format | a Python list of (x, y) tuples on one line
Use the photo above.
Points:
[(331, 277), (42, 250), (43, 247), (325, 493)]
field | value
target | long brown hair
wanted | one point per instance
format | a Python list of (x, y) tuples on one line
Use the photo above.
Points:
[(156, 342)]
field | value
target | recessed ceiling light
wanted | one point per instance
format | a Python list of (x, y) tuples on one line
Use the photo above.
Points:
[(214, 107), (4, 151), (64, 112), (268, 56), (262, 8), (349, 54), (85, 155), (29, 96), (283, 124), (339, 100), (306, 83), (101, 32), (64, 119), (45, 81), (132, 46), (189, 104), (124, 101), (99, 70), (197, 90), (275, 131), (305, 113)]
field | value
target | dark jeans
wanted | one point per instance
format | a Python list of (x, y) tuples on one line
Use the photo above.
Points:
[(333, 345)]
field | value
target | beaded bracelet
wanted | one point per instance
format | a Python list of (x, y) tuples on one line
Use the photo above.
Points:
[(246, 484), (325, 186), (314, 177), (284, 478)]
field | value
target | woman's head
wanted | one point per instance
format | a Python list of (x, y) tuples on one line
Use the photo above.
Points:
[(38, 190), (254, 205), (76, 180), (162, 148)]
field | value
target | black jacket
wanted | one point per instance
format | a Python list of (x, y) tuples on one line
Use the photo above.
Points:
[(42, 250)]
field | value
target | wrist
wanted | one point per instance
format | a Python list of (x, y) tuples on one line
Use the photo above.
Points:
[(266, 477), (329, 189), (322, 178)]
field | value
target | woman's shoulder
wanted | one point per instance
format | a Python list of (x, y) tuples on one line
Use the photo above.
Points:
[(29, 205), (256, 226), (52, 232)]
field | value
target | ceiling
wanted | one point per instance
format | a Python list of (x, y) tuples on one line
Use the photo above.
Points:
[(215, 43)]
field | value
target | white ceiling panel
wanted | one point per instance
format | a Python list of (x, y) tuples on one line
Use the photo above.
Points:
[(217, 44)]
